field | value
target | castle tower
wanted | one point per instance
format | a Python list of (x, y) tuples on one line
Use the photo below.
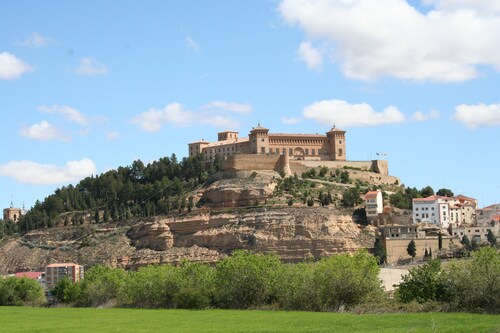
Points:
[(336, 144), (259, 140)]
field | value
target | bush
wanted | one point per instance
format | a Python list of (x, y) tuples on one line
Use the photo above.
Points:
[(21, 291), (347, 280), (101, 285), (296, 290), (246, 280), (423, 284), (152, 287)]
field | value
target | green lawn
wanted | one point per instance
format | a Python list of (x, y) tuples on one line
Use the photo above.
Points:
[(25, 319)]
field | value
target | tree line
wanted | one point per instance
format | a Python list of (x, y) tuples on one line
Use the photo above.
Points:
[(250, 281), (140, 190)]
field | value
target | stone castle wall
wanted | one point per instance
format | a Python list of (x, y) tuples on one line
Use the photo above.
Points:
[(278, 162)]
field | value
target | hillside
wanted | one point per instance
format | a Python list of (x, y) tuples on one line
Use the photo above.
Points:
[(201, 220)]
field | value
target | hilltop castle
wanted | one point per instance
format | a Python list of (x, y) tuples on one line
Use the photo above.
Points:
[(314, 147)]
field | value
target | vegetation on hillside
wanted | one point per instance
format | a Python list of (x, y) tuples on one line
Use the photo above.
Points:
[(136, 190)]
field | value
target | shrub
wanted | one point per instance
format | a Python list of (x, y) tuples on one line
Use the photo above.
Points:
[(20, 291), (246, 280), (347, 280)]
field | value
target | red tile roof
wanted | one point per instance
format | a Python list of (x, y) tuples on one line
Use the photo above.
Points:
[(31, 275), (371, 194)]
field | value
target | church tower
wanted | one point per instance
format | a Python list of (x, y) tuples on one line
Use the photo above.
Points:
[(336, 144)]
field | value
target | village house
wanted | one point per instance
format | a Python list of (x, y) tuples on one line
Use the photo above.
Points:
[(55, 272), (374, 204)]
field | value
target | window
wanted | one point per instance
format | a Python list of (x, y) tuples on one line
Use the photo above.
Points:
[(313, 152), (290, 152), (416, 208), (340, 152), (263, 150), (340, 141), (262, 139), (307, 151)]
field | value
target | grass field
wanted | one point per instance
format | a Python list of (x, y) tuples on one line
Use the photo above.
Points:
[(25, 319)]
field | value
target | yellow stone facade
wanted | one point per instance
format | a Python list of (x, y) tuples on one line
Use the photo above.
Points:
[(314, 147)]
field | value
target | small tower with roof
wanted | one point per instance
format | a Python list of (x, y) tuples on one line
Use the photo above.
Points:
[(259, 140), (336, 144)]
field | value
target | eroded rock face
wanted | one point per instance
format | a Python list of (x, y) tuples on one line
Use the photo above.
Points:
[(244, 191), (292, 233), (153, 234)]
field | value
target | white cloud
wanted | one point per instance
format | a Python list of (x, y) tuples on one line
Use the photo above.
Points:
[(192, 44), (478, 115), (341, 113), (43, 131), (175, 114), (91, 67), (229, 106), (390, 38), (112, 135), (421, 116), (12, 67), (67, 112), (290, 121), (310, 55), (35, 40), (47, 174)]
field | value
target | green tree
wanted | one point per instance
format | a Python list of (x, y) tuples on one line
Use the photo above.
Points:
[(245, 280), (426, 192), (491, 238), (351, 197), (444, 192), (346, 279), (379, 251), (411, 249), (422, 284), (102, 284), (21, 291), (66, 291), (466, 242), (344, 177), (440, 241)]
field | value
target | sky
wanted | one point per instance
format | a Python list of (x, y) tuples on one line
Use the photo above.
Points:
[(88, 86)]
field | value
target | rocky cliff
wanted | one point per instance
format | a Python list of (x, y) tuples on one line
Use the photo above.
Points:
[(294, 234)]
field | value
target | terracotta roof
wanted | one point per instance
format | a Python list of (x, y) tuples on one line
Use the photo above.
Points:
[(371, 194), (63, 264), (31, 275)]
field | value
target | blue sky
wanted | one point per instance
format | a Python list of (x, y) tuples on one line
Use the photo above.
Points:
[(89, 86)]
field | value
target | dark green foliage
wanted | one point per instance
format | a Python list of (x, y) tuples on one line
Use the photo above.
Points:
[(20, 291), (426, 192), (290, 202), (359, 216), (344, 177), (491, 238), (422, 284), (66, 291), (245, 280), (470, 285), (444, 192), (440, 241), (351, 197), (379, 251), (346, 280), (404, 198), (411, 249), (101, 285), (466, 242), (140, 190)]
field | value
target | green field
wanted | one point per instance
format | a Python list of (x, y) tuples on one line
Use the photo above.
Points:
[(25, 319)]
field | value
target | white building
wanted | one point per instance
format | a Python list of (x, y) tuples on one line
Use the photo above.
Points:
[(443, 211), (374, 203)]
